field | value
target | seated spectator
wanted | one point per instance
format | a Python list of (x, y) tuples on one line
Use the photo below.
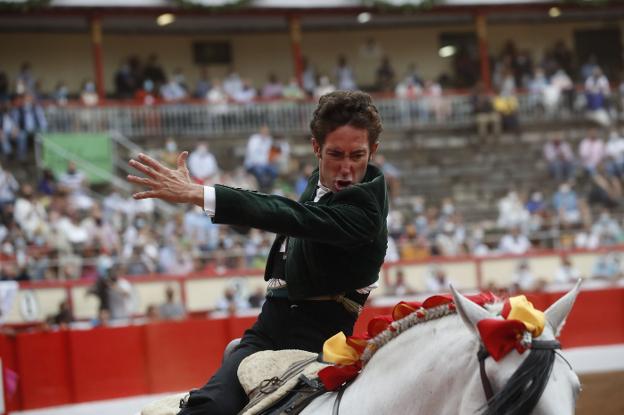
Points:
[(202, 164), (384, 76), (47, 183), (75, 183), (88, 94), (30, 120), (514, 242), (566, 205), (345, 80), (512, 212), (324, 87), (538, 211), (560, 93), (125, 81), (597, 92), (231, 302), (146, 95), (523, 278), (591, 151), (171, 310), (607, 267), (232, 84), (293, 91), (414, 246), (605, 190), (488, 120), (308, 78), (173, 91), (8, 130), (507, 107), (169, 154), (566, 273), (614, 154), (560, 158), (247, 93), (437, 280), (399, 287), (606, 230), (29, 212), (64, 317), (273, 89), (120, 297), (537, 87), (203, 84), (154, 71), (217, 98), (257, 159)]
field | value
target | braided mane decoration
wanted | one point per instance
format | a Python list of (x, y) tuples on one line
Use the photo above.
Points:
[(397, 327)]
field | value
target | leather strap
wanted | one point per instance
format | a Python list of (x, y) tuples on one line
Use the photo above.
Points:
[(482, 354), (336, 407)]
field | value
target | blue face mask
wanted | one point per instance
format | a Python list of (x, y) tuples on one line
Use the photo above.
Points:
[(148, 85)]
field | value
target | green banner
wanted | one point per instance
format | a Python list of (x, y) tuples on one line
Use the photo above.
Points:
[(92, 154)]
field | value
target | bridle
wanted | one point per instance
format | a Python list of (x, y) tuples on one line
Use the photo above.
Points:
[(483, 354)]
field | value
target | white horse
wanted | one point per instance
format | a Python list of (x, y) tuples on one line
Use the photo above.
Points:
[(432, 368)]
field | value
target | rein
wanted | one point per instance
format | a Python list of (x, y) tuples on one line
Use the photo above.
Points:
[(482, 354)]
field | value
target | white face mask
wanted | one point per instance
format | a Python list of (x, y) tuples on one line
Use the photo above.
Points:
[(171, 146)]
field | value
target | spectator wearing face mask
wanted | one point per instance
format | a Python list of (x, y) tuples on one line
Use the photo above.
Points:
[(170, 153), (88, 94), (202, 164), (566, 205), (560, 158)]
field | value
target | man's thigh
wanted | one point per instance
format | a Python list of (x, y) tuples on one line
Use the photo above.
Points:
[(223, 394)]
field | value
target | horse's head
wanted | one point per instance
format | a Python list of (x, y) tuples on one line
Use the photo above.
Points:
[(528, 377)]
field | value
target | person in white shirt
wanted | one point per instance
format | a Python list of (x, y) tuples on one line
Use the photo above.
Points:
[(202, 164), (523, 278), (257, 158), (514, 242), (566, 272), (591, 151)]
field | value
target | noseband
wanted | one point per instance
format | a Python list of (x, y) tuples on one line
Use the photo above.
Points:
[(483, 354)]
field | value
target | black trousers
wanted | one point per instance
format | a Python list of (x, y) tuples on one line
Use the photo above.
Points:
[(282, 324)]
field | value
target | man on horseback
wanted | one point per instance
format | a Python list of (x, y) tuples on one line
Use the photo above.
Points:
[(329, 248)]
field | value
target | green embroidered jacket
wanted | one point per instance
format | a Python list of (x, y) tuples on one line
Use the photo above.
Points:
[(334, 245)]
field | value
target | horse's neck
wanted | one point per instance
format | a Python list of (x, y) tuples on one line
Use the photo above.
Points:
[(429, 365)]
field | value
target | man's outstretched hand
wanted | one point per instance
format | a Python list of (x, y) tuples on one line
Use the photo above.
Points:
[(164, 183)]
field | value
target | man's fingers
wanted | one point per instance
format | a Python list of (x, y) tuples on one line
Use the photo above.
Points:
[(146, 195), (141, 180), (143, 168), (182, 159), (151, 162)]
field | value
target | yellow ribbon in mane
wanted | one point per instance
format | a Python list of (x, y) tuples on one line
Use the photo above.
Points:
[(336, 350), (522, 310)]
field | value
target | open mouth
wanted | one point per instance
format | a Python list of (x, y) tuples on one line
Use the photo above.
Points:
[(341, 184)]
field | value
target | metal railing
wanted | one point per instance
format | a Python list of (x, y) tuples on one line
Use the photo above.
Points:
[(203, 119)]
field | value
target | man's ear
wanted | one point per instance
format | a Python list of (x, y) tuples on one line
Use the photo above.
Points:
[(373, 150), (316, 146)]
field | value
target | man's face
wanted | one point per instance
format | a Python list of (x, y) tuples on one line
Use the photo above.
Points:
[(344, 157)]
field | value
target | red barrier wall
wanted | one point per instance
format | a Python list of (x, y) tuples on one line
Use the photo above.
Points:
[(75, 366), (108, 363)]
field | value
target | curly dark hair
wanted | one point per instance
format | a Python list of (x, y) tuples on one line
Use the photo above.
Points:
[(340, 108)]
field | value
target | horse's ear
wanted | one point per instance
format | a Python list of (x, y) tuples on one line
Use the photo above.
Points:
[(469, 312), (558, 312)]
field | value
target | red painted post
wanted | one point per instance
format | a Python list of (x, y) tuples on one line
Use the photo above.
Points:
[(95, 24), (294, 24)]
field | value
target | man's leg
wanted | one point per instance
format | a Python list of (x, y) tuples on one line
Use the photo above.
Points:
[(223, 394)]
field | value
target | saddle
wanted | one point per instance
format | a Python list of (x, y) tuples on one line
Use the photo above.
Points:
[(280, 382)]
